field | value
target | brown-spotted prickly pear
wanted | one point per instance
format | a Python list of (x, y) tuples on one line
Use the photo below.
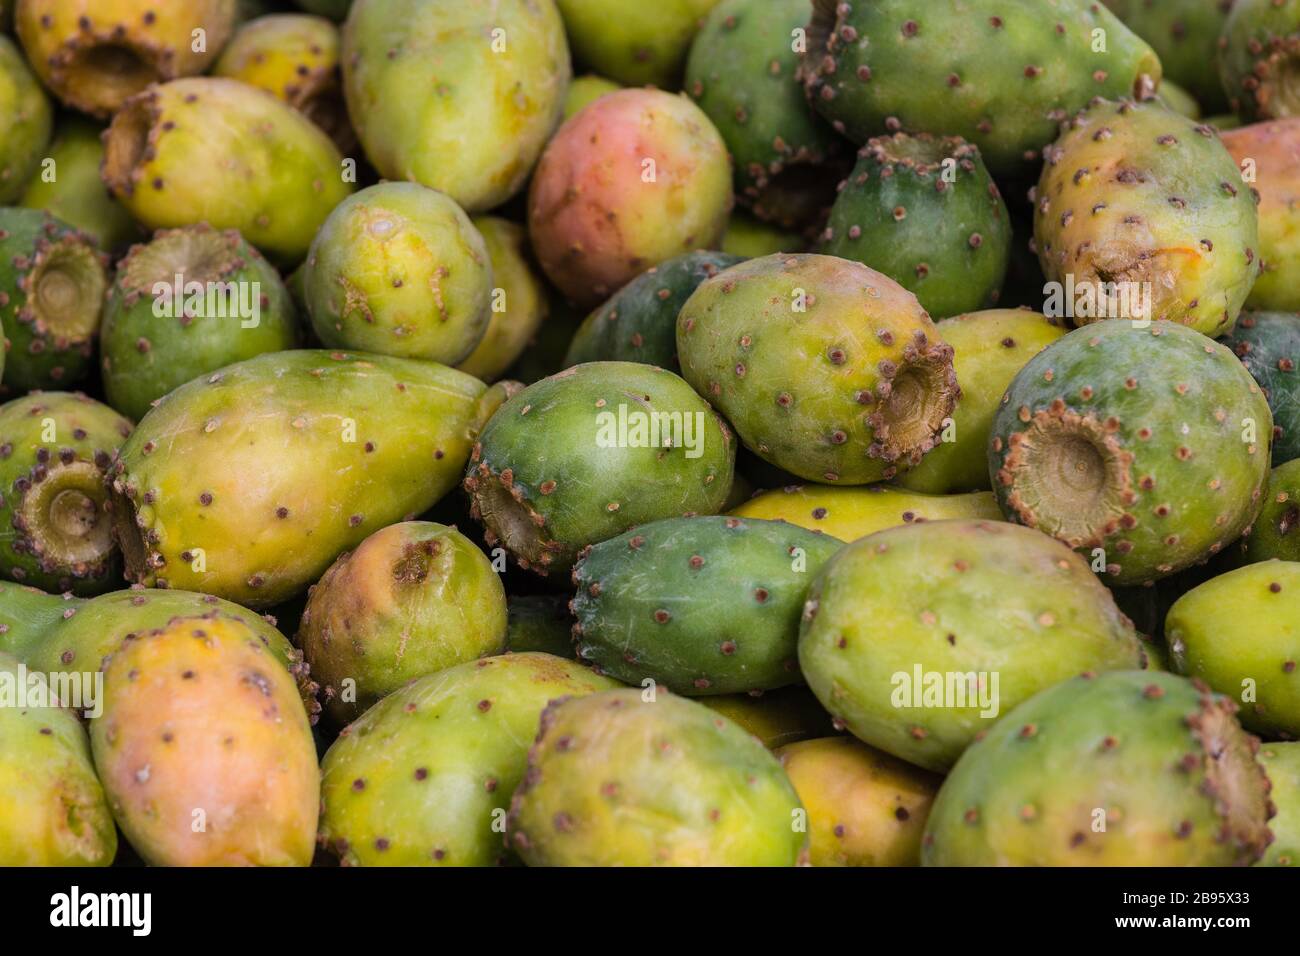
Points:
[(1268, 344), (1276, 532), (1268, 155), (1257, 58), (249, 482), (1282, 764), (853, 513), (620, 779), (626, 40), (1185, 35), (826, 368), (25, 121), (1129, 768)]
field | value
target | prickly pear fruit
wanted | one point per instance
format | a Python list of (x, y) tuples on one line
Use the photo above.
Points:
[(775, 717), (585, 90), (539, 622), (637, 177), (1141, 214), (615, 779), (1268, 344), (399, 269), (1185, 35), (424, 777), (412, 599), (201, 725), (925, 211), (55, 811), (1282, 764), (1174, 97), (25, 122), (741, 71), (1240, 634), (1269, 157), (639, 322), (1146, 449), (704, 606), (249, 482), (271, 173), (992, 613), (1276, 532), (626, 40), (853, 513), (584, 455), (989, 349), (55, 451), (457, 96), (865, 808), (747, 238), (826, 368), (52, 284), (185, 304), (1121, 769), (96, 55), (519, 300), (1257, 58), (28, 615), (1000, 73)]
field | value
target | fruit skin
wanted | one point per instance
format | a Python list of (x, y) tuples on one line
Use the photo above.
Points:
[(76, 194), (704, 606), (741, 71), (1272, 151), (52, 284), (865, 808), (209, 149), (198, 718), (56, 449), (635, 44), (826, 368), (1138, 198), (399, 269), (1185, 35), (650, 163), (1145, 449), (94, 56), (1174, 97), (407, 69), (775, 717), (539, 622), (55, 811), (585, 90), (25, 122), (412, 599), (151, 344), (424, 777), (1257, 50), (1165, 768), (520, 300), (1239, 633), (639, 322), (1282, 764), (1021, 66), (853, 513), (1268, 344), (1276, 532), (925, 211), (28, 614), (616, 780), (550, 474), (748, 238), (989, 349), (983, 601), (253, 465)]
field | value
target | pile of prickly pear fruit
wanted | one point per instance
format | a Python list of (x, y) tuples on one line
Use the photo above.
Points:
[(701, 433)]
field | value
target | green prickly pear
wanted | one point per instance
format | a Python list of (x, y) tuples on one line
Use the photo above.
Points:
[(1276, 532), (25, 122), (1185, 34), (28, 615), (1145, 449), (853, 513), (1174, 97), (424, 777), (1268, 344), (616, 779), (1257, 58), (1120, 769), (706, 605), (1282, 764), (1268, 155), (585, 90), (826, 368), (249, 482), (748, 238), (635, 44)]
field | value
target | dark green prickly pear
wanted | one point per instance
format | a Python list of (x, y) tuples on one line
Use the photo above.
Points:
[(639, 324), (742, 71), (425, 776), (25, 122), (925, 211), (1145, 449), (56, 450), (539, 622), (185, 304), (619, 779), (1282, 764), (826, 368), (591, 451), (52, 285), (704, 606), (249, 482), (990, 614), (1276, 532), (1185, 34), (1268, 344), (1257, 58), (1120, 769), (1142, 214), (1000, 73)]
